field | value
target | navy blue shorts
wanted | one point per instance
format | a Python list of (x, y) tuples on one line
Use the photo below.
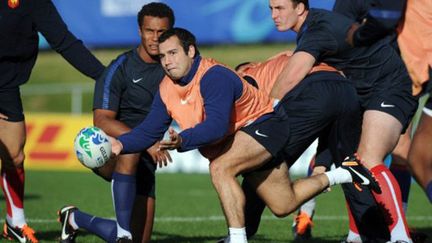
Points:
[(11, 104), (386, 88), (324, 105), (145, 177)]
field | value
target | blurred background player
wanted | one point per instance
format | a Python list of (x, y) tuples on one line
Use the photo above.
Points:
[(381, 81), (19, 23), (122, 100)]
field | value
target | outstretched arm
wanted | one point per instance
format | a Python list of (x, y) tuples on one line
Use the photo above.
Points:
[(49, 22)]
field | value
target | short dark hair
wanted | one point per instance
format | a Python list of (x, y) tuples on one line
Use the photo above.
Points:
[(160, 10), (305, 2), (186, 38)]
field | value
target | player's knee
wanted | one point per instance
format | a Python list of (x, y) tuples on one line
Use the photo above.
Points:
[(12, 156), (124, 167), (282, 210), (17, 159), (219, 173), (107, 177)]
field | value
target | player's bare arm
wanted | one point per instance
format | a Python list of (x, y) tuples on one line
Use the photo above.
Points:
[(106, 120), (297, 68)]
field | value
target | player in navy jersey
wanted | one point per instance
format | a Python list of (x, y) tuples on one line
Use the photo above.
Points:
[(406, 20), (122, 100), (402, 24), (376, 20), (379, 76), (263, 75), (20, 22)]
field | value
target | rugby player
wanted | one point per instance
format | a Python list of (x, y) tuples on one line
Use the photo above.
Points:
[(123, 96), (379, 76), (20, 22)]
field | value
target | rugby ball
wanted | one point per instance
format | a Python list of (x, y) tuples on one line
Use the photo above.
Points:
[(92, 147)]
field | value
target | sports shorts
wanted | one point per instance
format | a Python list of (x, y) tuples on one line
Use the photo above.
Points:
[(324, 105), (323, 158), (11, 104), (145, 176), (389, 87)]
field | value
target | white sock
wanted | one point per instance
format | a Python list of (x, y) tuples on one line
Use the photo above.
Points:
[(353, 237), (18, 219), (123, 233), (72, 221), (338, 176), (308, 207), (237, 235)]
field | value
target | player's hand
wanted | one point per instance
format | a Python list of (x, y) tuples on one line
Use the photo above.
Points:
[(4, 117), (173, 142), (350, 34), (160, 157), (116, 146)]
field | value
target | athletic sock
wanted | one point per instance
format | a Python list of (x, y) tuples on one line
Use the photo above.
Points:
[(308, 207), (429, 191), (237, 235), (390, 201), (123, 191), (403, 177), (104, 228), (12, 183), (338, 176)]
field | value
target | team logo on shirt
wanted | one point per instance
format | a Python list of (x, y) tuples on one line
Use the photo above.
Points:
[(13, 3)]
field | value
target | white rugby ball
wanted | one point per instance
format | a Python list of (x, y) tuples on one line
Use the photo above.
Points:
[(92, 147)]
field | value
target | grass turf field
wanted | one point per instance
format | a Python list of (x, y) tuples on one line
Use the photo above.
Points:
[(187, 209)]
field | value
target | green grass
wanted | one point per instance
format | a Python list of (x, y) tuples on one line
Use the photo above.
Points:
[(51, 68), (187, 208)]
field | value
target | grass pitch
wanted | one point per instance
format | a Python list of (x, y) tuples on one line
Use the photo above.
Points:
[(187, 209)]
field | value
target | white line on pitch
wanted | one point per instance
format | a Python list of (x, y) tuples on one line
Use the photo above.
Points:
[(221, 218)]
